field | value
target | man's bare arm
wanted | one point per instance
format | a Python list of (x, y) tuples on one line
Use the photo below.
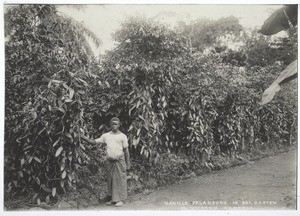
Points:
[(91, 141), (127, 158)]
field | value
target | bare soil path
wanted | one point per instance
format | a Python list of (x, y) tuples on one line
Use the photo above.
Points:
[(269, 183)]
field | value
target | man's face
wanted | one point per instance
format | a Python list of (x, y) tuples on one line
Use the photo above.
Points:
[(115, 125)]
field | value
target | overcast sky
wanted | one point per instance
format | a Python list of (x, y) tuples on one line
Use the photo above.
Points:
[(103, 20)]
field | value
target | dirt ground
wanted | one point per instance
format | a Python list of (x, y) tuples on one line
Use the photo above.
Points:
[(269, 183)]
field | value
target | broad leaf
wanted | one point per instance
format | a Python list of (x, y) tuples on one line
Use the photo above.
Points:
[(54, 191), (63, 176), (58, 151), (37, 159), (279, 20), (287, 74)]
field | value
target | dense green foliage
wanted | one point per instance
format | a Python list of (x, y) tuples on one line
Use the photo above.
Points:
[(204, 33), (175, 105), (262, 51), (45, 95)]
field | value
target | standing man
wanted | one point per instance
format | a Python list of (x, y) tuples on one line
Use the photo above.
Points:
[(117, 154)]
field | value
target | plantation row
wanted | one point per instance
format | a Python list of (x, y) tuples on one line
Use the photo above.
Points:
[(175, 102)]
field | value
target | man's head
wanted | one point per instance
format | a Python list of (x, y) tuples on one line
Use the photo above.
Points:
[(115, 123)]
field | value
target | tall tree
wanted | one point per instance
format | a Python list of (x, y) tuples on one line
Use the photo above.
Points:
[(47, 58), (204, 33), (139, 74)]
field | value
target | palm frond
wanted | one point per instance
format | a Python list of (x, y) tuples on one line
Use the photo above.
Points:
[(286, 75), (81, 27)]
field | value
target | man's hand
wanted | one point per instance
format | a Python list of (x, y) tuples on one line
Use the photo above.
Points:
[(128, 166), (93, 142), (85, 138)]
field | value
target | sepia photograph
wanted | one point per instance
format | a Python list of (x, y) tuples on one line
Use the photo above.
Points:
[(150, 107)]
